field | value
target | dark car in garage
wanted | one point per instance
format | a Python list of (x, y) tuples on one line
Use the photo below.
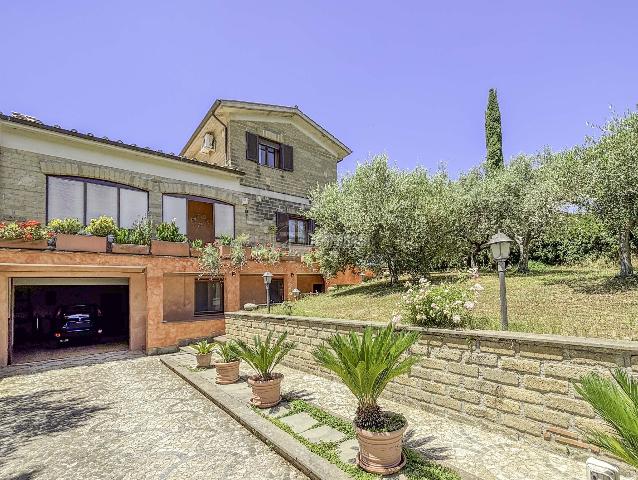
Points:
[(77, 322)]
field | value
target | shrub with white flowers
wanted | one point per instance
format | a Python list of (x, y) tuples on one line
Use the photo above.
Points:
[(446, 305)]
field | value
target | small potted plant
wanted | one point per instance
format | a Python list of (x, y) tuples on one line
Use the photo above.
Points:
[(366, 364), (28, 234), (196, 247), (228, 368), (134, 241), (224, 242), (169, 241), (263, 357), (204, 352)]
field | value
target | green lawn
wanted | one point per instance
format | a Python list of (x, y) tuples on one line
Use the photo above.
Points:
[(582, 301)]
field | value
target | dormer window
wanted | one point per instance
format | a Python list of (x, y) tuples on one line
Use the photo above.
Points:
[(208, 144)]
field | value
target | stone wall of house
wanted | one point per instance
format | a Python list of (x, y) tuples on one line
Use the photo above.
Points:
[(312, 164), (23, 191), (521, 383)]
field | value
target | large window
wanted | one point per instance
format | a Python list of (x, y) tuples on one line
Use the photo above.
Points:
[(269, 154), (85, 199), (209, 297), (199, 218)]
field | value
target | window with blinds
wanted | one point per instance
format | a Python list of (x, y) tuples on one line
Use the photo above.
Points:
[(85, 199)]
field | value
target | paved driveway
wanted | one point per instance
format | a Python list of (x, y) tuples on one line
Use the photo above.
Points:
[(128, 418)]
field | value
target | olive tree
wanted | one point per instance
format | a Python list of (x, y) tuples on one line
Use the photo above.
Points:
[(383, 218), (604, 172)]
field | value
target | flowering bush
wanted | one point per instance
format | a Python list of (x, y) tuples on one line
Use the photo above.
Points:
[(103, 226), (28, 231), (70, 226), (448, 305), (266, 254)]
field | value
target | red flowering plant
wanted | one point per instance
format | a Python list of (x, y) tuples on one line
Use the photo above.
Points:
[(28, 231)]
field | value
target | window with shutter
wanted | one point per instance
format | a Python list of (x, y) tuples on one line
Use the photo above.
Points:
[(252, 147), (282, 227)]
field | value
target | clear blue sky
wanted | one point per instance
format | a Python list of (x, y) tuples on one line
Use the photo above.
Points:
[(406, 78)]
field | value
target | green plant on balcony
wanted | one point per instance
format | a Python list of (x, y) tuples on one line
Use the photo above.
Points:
[(266, 254), (225, 240), (68, 226), (169, 232), (210, 261), (198, 243), (28, 231), (102, 226)]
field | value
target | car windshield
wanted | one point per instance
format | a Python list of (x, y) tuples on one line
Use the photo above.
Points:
[(79, 309)]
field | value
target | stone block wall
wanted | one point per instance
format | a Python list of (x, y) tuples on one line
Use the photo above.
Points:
[(517, 382), (23, 191)]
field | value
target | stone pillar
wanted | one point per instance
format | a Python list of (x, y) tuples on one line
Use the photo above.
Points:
[(137, 311)]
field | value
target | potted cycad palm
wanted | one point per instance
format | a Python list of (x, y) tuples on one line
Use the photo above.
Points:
[(228, 368), (616, 402), (366, 364), (204, 351), (263, 357)]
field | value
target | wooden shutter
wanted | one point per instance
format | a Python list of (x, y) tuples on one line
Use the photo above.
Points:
[(282, 227), (286, 156), (252, 147), (311, 230)]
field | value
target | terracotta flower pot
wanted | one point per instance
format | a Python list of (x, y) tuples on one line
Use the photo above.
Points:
[(80, 243), (32, 245), (266, 393), (130, 249), (224, 251), (227, 372), (172, 249), (203, 359), (381, 452)]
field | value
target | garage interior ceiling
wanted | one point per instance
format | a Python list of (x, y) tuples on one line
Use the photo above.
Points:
[(71, 281)]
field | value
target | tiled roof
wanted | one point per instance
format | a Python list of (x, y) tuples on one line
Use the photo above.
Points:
[(35, 123)]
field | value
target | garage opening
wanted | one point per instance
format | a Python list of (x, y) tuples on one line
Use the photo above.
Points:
[(63, 317)]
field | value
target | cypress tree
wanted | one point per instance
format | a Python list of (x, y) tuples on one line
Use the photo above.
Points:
[(493, 133)]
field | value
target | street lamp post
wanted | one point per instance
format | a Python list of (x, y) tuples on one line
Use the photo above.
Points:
[(267, 279), (296, 293), (500, 250)]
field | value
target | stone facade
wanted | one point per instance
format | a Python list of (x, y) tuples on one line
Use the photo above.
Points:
[(313, 165), (23, 191), (521, 383)]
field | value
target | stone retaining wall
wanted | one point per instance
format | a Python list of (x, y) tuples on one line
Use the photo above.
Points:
[(522, 383)]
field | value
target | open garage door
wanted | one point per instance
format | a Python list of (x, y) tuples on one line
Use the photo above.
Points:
[(62, 317)]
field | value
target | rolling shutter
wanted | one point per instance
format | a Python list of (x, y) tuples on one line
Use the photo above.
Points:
[(252, 147), (282, 227), (286, 156)]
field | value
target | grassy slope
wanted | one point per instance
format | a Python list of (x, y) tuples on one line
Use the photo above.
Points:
[(581, 301)]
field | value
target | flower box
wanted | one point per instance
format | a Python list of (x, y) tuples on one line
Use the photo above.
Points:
[(172, 249), (196, 252), (29, 245), (224, 251), (80, 243), (130, 249)]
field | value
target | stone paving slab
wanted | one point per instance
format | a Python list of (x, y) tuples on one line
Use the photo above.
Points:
[(323, 433), (299, 422), (123, 418), (277, 411), (348, 451)]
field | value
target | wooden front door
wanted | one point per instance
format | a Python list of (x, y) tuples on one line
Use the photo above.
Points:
[(200, 221)]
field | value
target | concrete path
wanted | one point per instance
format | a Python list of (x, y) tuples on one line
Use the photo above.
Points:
[(127, 418)]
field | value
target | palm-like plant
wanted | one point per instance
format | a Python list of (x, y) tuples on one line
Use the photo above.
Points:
[(228, 351), (616, 401), (203, 347), (366, 364), (264, 356)]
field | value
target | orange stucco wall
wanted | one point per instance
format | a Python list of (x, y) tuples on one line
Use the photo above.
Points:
[(306, 282), (160, 293)]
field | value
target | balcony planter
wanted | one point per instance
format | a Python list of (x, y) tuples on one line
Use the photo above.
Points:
[(32, 245), (224, 251), (172, 249), (80, 243), (130, 249), (196, 252)]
